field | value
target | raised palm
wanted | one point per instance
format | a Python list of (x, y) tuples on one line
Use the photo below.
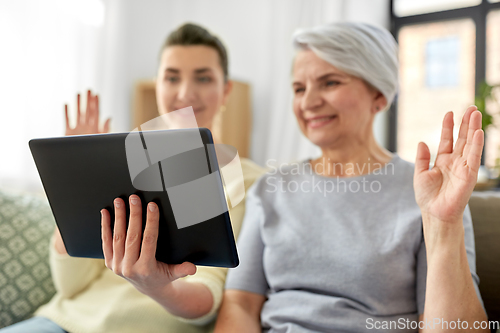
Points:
[(443, 191), (87, 123)]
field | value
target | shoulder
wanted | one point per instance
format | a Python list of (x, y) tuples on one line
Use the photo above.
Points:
[(251, 168), (266, 187), (404, 166), (251, 171), (400, 173)]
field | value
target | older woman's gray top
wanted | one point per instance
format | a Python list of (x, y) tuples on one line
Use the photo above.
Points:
[(348, 259)]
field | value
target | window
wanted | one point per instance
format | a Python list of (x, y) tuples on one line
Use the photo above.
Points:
[(436, 76), (492, 145), (441, 62), (412, 7), (446, 49)]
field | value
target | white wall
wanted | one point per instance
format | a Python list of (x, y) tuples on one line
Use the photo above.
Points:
[(47, 55)]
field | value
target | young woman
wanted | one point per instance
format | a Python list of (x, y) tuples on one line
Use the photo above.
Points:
[(369, 241), (146, 296)]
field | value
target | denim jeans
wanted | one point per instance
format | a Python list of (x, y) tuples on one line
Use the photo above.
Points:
[(34, 325)]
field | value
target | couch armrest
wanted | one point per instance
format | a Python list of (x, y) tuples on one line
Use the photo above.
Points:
[(485, 210)]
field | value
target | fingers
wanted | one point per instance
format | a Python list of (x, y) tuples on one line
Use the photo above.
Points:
[(78, 110), (106, 126), (96, 105), (94, 120), (92, 115), (182, 270), (464, 127), (446, 144), (91, 111), (423, 158), (95, 112), (119, 233), (67, 117), (107, 238), (58, 242), (474, 125), (134, 232), (150, 238), (87, 123), (476, 150), (88, 110)]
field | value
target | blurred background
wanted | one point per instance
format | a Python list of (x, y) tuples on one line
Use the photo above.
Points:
[(52, 49)]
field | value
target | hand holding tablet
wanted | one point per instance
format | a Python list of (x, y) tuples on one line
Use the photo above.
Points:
[(84, 174), (130, 252)]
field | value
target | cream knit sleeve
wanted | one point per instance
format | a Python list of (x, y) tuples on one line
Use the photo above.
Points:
[(72, 275)]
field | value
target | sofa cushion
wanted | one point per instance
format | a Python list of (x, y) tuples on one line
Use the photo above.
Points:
[(26, 224), (485, 210)]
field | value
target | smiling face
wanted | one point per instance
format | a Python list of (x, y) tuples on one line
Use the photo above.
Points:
[(191, 76), (332, 108)]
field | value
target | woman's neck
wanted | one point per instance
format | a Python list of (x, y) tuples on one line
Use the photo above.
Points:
[(215, 133), (356, 159)]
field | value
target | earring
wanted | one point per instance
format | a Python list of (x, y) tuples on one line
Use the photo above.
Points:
[(377, 108), (222, 108)]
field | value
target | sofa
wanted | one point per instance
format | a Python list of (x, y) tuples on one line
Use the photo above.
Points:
[(485, 210), (26, 225)]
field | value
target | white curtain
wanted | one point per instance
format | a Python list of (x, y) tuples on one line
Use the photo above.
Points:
[(52, 49)]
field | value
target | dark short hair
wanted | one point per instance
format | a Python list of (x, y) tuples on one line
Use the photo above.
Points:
[(192, 34)]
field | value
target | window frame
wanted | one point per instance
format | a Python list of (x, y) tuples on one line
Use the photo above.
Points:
[(477, 13)]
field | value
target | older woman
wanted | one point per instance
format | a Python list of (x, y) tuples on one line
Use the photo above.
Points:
[(357, 239)]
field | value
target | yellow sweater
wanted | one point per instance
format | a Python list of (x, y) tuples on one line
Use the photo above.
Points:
[(91, 298)]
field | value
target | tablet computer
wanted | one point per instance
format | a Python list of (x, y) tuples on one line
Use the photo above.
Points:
[(176, 169)]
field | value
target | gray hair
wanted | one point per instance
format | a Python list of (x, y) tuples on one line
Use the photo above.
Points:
[(359, 49)]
